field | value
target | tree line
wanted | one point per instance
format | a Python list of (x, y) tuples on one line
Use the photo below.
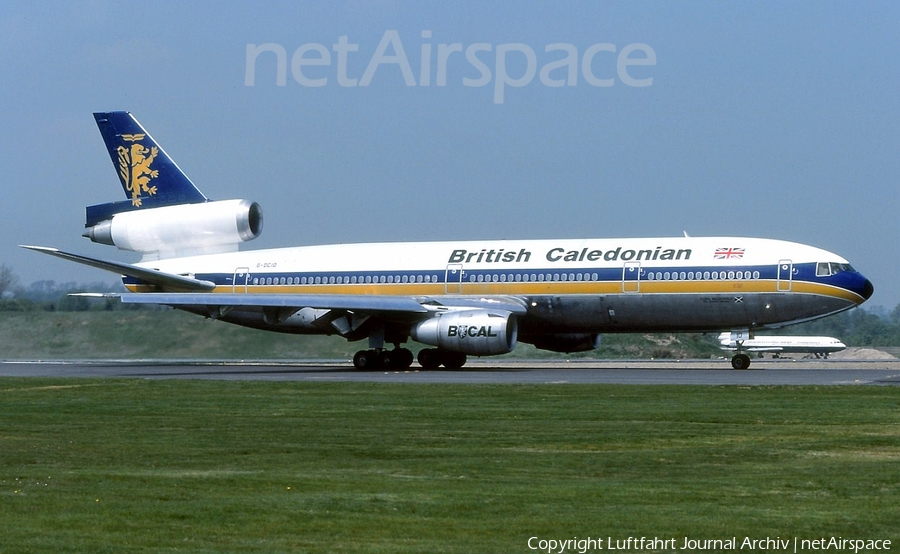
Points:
[(856, 327), (50, 296)]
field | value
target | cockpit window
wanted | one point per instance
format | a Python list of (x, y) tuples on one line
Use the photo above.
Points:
[(824, 269)]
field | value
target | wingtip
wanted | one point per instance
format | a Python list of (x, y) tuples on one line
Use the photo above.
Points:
[(39, 248)]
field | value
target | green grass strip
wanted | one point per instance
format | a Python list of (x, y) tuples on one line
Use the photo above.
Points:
[(199, 466)]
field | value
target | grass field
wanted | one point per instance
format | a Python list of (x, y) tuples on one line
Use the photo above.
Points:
[(199, 466)]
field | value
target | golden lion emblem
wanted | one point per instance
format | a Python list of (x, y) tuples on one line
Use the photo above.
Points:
[(134, 167)]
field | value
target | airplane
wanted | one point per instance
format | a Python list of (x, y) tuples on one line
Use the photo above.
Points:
[(459, 298), (820, 346)]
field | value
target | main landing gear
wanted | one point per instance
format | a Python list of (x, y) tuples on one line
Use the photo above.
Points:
[(402, 358), (433, 358), (398, 358)]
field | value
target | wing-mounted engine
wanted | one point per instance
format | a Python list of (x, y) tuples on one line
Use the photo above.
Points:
[(475, 332), (181, 230)]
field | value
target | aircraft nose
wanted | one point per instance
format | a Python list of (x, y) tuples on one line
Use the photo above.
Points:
[(868, 289)]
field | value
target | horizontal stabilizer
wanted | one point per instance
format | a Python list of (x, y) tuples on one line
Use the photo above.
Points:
[(166, 281)]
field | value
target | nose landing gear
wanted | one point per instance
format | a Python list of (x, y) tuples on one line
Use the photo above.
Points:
[(740, 361)]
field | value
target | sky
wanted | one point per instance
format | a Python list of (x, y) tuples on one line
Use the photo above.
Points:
[(396, 121)]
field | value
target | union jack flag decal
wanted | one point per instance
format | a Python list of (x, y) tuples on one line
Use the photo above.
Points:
[(728, 253)]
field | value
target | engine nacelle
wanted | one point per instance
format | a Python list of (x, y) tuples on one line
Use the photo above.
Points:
[(475, 332), (181, 230), (566, 342)]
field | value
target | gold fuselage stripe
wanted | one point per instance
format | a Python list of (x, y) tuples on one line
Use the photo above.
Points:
[(561, 288)]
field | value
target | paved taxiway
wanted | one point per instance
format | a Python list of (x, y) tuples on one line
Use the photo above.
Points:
[(670, 372)]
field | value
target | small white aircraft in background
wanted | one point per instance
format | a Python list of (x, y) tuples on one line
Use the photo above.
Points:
[(462, 298), (819, 346)]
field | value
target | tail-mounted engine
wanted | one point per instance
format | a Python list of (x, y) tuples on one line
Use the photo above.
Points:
[(475, 332), (181, 230)]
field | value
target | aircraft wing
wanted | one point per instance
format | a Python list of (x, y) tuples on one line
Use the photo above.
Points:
[(194, 294), (370, 304), (344, 313)]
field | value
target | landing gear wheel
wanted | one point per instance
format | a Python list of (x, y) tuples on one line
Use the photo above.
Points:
[(429, 359), (740, 361), (433, 358), (398, 358), (402, 358), (385, 358), (366, 359), (453, 360)]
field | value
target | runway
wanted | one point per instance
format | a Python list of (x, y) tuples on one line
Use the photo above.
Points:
[(668, 372)]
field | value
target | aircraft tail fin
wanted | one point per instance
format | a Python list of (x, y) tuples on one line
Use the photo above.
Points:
[(149, 177)]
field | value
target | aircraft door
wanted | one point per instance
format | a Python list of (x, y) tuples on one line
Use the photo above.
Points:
[(453, 279), (785, 275), (240, 280), (631, 277)]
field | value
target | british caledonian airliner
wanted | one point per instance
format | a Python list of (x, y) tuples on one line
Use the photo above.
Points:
[(459, 298)]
